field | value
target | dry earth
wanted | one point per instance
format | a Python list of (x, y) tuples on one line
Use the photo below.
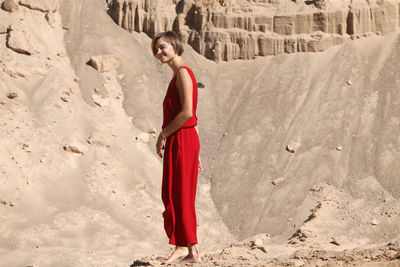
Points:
[(300, 150)]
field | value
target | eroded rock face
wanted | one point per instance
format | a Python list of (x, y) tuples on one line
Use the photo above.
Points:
[(41, 5), (225, 30)]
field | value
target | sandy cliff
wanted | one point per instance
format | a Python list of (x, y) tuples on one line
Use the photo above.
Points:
[(227, 30)]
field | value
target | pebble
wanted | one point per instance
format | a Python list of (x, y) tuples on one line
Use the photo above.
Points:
[(374, 222), (152, 130), (338, 241), (278, 180), (339, 148), (12, 95), (293, 147), (73, 149)]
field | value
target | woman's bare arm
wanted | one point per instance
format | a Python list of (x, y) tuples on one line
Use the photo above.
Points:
[(185, 90)]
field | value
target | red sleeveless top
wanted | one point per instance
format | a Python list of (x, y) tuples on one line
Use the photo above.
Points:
[(172, 103)]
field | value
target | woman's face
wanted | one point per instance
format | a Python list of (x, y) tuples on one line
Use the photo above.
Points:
[(164, 50)]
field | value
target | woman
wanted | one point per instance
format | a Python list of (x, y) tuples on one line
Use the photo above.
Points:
[(180, 141)]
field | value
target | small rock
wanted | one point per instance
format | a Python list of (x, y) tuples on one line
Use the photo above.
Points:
[(77, 79), (374, 222), (292, 147), (64, 99), (98, 139), (225, 134), (260, 240), (10, 5), (200, 85), (61, 54), (74, 149), (101, 102), (339, 148), (386, 199), (141, 187), (19, 41), (105, 63), (142, 137), (12, 95), (50, 17), (338, 240), (349, 82), (278, 180), (152, 130)]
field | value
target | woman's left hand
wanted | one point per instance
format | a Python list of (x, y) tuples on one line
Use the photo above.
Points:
[(160, 145)]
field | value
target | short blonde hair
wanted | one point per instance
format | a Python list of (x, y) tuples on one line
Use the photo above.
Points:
[(171, 37)]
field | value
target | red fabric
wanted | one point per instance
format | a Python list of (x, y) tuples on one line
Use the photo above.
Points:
[(172, 103), (180, 172)]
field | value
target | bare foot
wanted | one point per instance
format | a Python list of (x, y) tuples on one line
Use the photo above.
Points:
[(193, 256), (178, 253)]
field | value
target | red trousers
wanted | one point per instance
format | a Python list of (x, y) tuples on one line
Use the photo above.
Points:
[(181, 159)]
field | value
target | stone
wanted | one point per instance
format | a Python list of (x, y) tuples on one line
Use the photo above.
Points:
[(75, 148), (50, 17), (374, 222), (10, 5), (339, 148), (152, 131), (349, 82), (338, 240), (64, 99), (142, 137), (105, 63), (100, 101), (12, 95), (41, 5), (261, 240), (278, 180), (200, 85), (20, 42), (293, 147), (98, 139)]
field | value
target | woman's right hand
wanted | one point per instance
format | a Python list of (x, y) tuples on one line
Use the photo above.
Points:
[(160, 145)]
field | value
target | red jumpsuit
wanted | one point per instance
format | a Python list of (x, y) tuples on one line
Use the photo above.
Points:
[(180, 169)]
